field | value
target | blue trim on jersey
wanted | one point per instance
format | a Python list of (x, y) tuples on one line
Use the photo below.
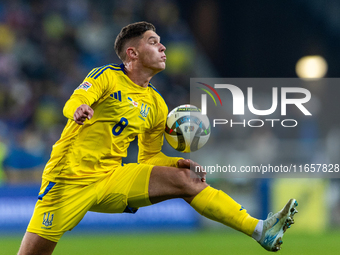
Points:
[(95, 69), (119, 96), (95, 72), (98, 69), (48, 188), (103, 69), (122, 67), (129, 209), (151, 86)]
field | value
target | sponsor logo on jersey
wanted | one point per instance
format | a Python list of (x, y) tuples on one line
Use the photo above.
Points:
[(47, 220), (85, 86), (117, 95), (132, 102)]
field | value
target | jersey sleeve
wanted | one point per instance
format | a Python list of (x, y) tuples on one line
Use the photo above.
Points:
[(89, 91), (150, 144)]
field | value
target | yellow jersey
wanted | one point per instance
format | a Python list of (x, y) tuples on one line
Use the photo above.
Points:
[(122, 111)]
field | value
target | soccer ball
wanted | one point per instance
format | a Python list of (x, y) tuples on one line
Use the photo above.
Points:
[(186, 129)]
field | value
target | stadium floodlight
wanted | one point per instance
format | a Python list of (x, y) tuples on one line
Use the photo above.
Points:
[(314, 67)]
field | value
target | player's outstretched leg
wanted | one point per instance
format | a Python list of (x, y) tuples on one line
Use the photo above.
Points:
[(166, 183), (276, 225), (218, 206)]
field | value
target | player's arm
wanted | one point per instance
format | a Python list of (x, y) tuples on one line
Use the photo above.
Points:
[(150, 143), (78, 108), (82, 113), (188, 163)]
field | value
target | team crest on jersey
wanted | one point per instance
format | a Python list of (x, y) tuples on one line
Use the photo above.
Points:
[(47, 220), (85, 86), (132, 102), (144, 111)]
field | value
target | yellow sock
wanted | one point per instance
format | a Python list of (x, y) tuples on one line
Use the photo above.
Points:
[(218, 206)]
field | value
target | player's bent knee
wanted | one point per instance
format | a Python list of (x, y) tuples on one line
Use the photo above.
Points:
[(188, 182), (171, 182)]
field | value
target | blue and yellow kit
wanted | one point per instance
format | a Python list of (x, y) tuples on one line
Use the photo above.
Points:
[(122, 111), (85, 170)]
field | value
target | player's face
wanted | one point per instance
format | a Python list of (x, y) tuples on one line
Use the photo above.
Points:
[(151, 51)]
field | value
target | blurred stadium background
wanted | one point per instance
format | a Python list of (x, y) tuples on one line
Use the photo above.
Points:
[(47, 48)]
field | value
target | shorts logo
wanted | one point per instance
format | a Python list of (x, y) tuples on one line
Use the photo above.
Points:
[(85, 86), (47, 221)]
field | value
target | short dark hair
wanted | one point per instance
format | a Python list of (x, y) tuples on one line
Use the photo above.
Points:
[(128, 32)]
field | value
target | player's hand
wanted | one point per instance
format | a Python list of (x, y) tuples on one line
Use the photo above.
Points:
[(188, 163), (82, 113)]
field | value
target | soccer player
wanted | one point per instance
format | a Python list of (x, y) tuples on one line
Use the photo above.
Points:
[(113, 105)]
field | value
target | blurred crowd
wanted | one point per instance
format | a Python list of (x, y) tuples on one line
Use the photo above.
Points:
[(47, 48)]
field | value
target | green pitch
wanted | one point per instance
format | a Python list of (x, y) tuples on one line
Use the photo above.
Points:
[(191, 243)]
